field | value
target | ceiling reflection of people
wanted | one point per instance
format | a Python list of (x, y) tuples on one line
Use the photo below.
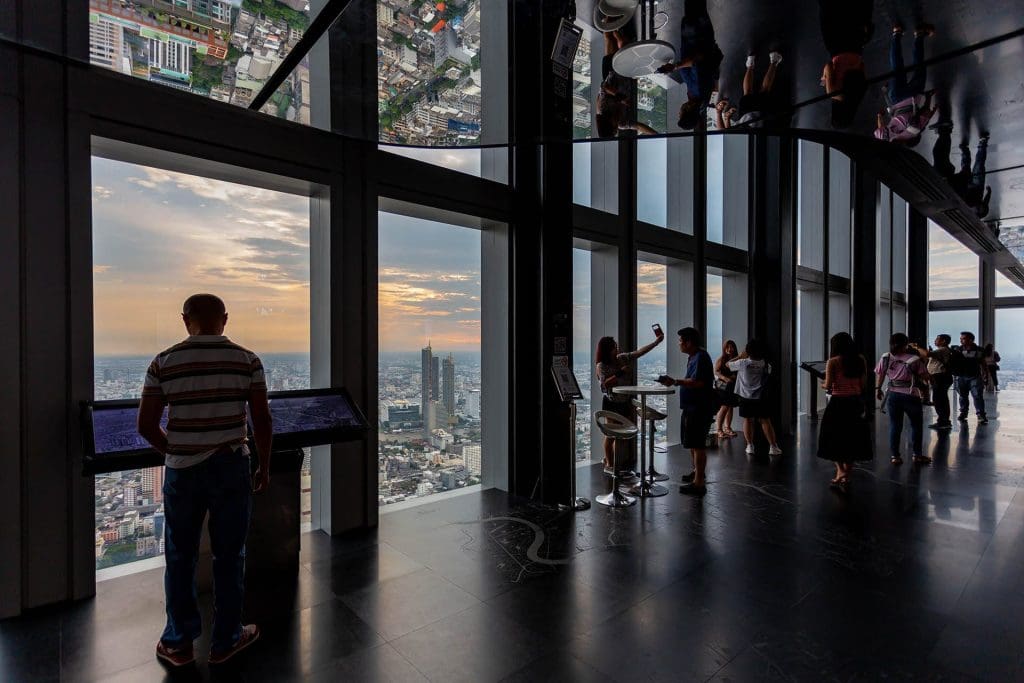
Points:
[(918, 74)]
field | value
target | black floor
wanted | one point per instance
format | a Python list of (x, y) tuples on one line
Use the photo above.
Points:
[(916, 575)]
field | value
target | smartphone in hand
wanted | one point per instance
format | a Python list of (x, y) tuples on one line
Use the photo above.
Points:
[(657, 330)]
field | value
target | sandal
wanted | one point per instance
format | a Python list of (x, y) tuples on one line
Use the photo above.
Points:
[(896, 460), (722, 435), (840, 485), (729, 433), (922, 460)]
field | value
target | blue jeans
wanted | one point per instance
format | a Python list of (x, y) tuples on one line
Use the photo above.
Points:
[(968, 387), (900, 88), (898, 405), (222, 485)]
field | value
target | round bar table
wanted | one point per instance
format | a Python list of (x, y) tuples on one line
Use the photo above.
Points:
[(646, 487)]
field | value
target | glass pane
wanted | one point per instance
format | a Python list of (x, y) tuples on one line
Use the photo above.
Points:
[(899, 244), (595, 175), (652, 181), (583, 350), (727, 190), (430, 85), (952, 267), (582, 91), (651, 308), (429, 383), (1010, 327), (810, 245), (665, 183), (838, 313), (652, 104), (885, 244), (810, 341), (222, 49), (726, 310), (839, 216), (953, 323), (250, 246), (1005, 287)]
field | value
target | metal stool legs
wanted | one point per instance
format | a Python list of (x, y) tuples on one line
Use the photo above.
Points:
[(616, 498), (651, 473)]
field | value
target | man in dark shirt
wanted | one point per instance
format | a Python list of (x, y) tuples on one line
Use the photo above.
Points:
[(971, 377), (695, 398)]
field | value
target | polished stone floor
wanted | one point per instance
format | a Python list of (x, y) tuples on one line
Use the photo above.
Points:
[(915, 575)]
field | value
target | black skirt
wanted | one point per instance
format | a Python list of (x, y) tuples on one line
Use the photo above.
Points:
[(845, 433), (623, 408)]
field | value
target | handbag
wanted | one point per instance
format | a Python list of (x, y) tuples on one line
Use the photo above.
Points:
[(721, 384)]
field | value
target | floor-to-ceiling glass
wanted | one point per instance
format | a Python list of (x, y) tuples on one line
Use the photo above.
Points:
[(158, 237)]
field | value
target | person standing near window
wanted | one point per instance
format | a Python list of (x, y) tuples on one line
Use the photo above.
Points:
[(725, 388), (970, 371), (992, 366), (938, 359), (696, 401), (845, 435), (206, 381), (906, 374), (752, 374), (613, 371)]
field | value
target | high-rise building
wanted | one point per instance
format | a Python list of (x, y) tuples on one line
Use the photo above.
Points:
[(131, 495), (473, 404), (471, 455), (170, 56), (435, 378), (426, 362), (106, 45), (153, 484), (449, 387)]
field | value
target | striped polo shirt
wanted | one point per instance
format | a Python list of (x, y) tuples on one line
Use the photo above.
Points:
[(205, 382)]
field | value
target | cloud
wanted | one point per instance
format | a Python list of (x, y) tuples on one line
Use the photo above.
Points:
[(100, 192), (98, 269)]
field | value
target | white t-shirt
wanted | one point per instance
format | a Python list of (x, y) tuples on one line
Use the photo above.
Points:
[(751, 376)]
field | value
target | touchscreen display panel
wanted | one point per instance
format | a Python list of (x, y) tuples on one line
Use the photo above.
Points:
[(114, 430), (295, 414)]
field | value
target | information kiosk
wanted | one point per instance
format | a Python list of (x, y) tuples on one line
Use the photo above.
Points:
[(301, 419), (569, 392)]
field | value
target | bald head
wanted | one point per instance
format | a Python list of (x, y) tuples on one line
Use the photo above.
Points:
[(204, 314)]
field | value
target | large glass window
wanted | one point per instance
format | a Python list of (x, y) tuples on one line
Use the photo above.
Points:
[(727, 182), (839, 214), (583, 351), (810, 216), (1009, 329), (158, 237), (430, 375), (952, 267), (665, 183), (952, 323), (810, 325), (652, 309), (226, 50), (429, 80), (1004, 287), (726, 310)]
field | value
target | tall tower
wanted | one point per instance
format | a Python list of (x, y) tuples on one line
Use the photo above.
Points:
[(449, 389), (426, 364), (435, 378)]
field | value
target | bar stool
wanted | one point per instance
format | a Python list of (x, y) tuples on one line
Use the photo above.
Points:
[(616, 428), (652, 415)]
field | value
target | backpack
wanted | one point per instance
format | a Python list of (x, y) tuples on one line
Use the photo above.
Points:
[(888, 363)]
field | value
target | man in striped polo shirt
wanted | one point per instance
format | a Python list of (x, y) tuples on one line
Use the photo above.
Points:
[(206, 382)]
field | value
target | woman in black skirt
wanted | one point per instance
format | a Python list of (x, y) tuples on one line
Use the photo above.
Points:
[(845, 435)]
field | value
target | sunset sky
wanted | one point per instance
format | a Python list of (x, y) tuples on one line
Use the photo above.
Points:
[(160, 236)]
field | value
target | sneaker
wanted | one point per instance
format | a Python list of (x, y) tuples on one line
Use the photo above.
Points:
[(175, 656), (942, 426), (774, 57), (687, 478), (609, 471), (250, 634), (775, 450), (962, 417), (982, 420), (750, 449), (750, 61), (692, 489)]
